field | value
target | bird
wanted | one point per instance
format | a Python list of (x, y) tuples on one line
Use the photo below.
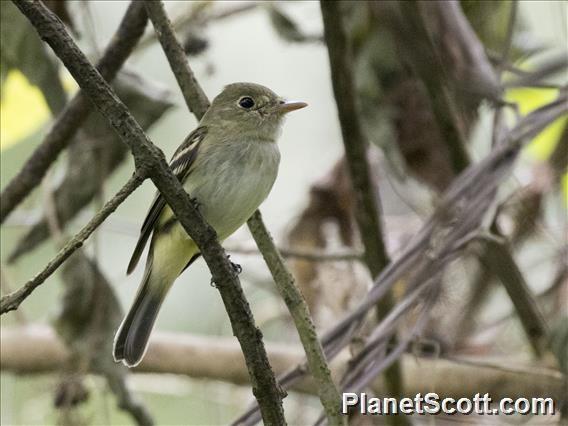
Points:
[(228, 166)]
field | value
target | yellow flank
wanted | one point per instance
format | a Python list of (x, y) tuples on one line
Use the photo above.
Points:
[(22, 111), (171, 253)]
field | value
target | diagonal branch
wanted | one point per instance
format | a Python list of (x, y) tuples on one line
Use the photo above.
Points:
[(75, 113), (300, 313), (198, 104), (149, 159), (192, 92), (11, 301)]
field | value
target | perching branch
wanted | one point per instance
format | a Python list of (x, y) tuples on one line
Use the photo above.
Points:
[(198, 103), (150, 160), (75, 113), (367, 204), (300, 313)]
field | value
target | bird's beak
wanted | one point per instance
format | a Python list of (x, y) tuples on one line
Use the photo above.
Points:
[(287, 106)]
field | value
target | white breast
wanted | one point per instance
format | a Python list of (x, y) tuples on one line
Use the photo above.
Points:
[(237, 178)]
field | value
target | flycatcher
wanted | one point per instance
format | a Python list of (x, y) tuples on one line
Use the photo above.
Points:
[(228, 164)]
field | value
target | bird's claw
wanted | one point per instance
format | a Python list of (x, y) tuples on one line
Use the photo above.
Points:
[(236, 267)]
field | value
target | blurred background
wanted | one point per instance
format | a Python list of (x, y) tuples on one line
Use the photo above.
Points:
[(280, 45)]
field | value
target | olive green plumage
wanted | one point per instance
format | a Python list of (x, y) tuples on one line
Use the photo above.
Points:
[(228, 164)]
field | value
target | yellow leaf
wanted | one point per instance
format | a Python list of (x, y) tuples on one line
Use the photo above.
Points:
[(22, 111), (529, 99)]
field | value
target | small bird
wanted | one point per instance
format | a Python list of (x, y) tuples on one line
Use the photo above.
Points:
[(228, 165)]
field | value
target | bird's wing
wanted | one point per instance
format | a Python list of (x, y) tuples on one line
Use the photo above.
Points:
[(181, 163)]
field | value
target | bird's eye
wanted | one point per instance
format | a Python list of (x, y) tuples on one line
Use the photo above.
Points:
[(246, 102)]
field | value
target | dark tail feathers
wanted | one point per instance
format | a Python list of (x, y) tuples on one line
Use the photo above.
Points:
[(131, 339)]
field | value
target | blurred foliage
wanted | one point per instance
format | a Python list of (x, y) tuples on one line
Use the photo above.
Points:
[(36, 64), (528, 99), (23, 109), (286, 27), (97, 144)]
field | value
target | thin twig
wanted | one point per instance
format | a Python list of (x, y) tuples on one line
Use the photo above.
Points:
[(193, 17), (194, 96), (507, 45), (504, 60), (6, 288), (14, 299), (75, 113), (310, 255), (300, 313), (497, 258), (430, 70)]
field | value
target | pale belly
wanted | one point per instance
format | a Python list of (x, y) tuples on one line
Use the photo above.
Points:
[(231, 192), (228, 193)]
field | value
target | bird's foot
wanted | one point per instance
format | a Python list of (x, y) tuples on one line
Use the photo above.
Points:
[(236, 267), (195, 203)]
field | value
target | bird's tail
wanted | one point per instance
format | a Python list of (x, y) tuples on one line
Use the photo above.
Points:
[(131, 340)]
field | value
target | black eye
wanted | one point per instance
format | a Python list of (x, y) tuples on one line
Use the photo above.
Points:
[(246, 102)]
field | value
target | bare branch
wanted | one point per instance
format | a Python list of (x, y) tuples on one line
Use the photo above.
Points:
[(13, 300), (311, 255), (29, 350), (193, 94), (497, 259), (194, 16), (300, 313), (75, 113), (504, 60), (198, 104)]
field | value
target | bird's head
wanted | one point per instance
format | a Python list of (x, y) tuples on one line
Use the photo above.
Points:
[(248, 108)]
